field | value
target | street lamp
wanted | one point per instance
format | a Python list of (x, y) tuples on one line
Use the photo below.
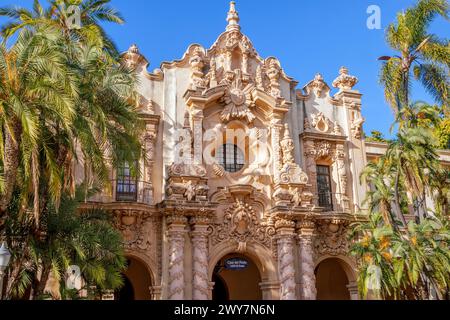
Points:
[(5, 255)]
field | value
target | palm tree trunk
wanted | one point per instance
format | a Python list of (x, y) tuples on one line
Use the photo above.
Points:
[(42, 282), (397, 198), (11, 163)]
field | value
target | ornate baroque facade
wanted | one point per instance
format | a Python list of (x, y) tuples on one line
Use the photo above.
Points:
[(287, 206)]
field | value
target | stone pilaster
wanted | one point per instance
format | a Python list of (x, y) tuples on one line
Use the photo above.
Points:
[(197, 124), (286, 270), (308, 278), (277, 163), (199, 235), (311, 169), (176, 235)]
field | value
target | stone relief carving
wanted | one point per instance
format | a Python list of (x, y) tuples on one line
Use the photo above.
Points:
[(273, 72), (320, 122), (138, 230), (238, 100), (356, 127), (332, 237), (290, 172), (337, 129), (184, 188), (339, 159), (197, 64), (241, 225)]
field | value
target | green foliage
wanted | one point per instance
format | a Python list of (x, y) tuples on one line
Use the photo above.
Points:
[(84, 238), (376, 136), (421, 55), (65, 98), (443, 134), (404, 260)]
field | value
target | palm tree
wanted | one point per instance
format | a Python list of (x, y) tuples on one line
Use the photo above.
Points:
[(34, 82), (381, 195), (394, 262), (413, 158), (103, 128), (420, 55), (371, 247), (57, 16), (87, 239)]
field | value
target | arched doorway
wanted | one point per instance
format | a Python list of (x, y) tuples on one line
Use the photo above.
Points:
[(332, 280), (126, 293), (236, 277), (137, 282)]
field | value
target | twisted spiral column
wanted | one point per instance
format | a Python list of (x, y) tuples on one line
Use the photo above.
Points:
[(176, 234), (285, 244), (308, 278), (200, 283)]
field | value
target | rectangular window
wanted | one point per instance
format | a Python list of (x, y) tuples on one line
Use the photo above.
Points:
[(126, 184), (324, 187)]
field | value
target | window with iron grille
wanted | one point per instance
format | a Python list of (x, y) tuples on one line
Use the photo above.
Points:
[(126, 189), (324, 187), (230, 157)]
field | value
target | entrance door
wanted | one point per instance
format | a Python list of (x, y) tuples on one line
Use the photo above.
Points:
[(236, 277), (331, 280)]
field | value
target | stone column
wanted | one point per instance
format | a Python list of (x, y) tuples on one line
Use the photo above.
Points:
[(176, 235), (286, 270), (200, 285), (308, 278), (353, 290)]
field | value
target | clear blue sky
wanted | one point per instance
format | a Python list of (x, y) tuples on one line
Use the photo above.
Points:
[(306, 36)]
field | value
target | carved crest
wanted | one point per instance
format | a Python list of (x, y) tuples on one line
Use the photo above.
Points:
[(241, 225), (332, 238)]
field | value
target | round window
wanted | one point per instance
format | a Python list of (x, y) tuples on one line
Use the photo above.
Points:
[(230, 157)]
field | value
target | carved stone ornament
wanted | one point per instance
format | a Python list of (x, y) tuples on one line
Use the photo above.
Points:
[(238, 99), (332, 237), (193, 170), (273, 72), (344, 81), (133, 57), (323, 149), (320, 122), (197, 64), (184, 188), (241, 225), (318, 85), (137, 228), (356, 127), (290, 171)]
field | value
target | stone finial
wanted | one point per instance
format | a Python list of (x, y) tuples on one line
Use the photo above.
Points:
[(344, 81), (233, 18), (133, 49), (133, 57)]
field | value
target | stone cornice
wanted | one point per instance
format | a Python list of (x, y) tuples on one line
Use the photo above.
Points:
[(323, 136)]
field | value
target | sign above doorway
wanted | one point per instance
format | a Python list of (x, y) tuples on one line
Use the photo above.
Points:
[(236, 264)]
